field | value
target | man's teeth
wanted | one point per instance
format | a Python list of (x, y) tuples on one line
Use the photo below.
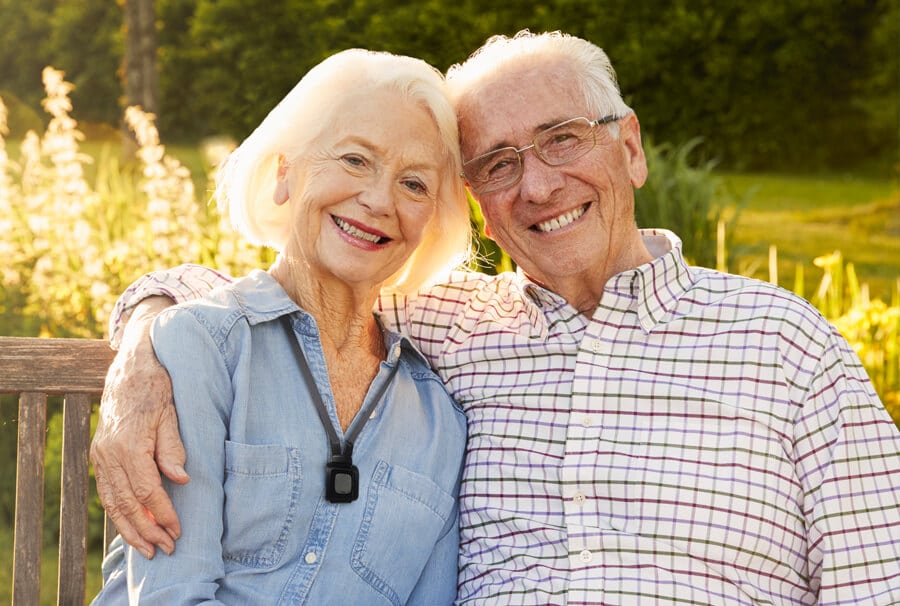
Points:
[(562, 220), (356, 232)]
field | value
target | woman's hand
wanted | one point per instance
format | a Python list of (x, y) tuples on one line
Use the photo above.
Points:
[(138, 431)]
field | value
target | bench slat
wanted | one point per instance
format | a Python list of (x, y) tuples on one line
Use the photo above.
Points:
[(78, 365), (73, 512), (29, 499)]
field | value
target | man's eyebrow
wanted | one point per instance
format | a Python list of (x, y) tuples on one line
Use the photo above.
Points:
[(535, 131), (550, 124)]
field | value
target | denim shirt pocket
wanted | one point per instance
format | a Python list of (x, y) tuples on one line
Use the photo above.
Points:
[(262, 489), (405, 515)]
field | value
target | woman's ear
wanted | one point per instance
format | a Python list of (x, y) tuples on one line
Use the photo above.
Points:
[(282, 193)]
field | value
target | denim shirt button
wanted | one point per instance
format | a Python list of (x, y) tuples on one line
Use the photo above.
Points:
[(311, 557)]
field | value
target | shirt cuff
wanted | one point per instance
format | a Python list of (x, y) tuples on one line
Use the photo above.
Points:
[(183, 283)]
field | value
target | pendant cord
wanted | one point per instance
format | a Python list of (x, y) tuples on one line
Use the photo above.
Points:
[(337, 450)]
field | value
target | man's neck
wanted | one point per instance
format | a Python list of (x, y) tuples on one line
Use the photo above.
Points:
[(584, 290)]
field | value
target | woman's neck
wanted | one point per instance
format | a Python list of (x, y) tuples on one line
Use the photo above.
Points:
[(342, 312)]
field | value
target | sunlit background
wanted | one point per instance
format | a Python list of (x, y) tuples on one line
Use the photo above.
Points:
[(772, 130)]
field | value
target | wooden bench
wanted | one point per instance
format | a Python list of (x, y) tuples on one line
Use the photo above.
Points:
[(34, 369)]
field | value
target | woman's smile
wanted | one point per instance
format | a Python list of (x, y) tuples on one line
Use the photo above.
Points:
[(355, 232)]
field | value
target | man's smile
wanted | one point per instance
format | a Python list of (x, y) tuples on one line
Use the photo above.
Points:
[(562, 220)]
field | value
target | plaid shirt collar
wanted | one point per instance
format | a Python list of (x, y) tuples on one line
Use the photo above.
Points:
[(654, 287)]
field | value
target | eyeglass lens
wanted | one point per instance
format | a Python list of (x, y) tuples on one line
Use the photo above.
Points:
[(557, 145)]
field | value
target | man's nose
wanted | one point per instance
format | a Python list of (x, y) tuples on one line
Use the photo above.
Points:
[(539, 179)]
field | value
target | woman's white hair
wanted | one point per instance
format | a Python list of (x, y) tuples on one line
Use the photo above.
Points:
[(596, 75), (246, 183)]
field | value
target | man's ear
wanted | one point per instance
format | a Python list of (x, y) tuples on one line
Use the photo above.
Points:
[(630, 136), (282, 193)]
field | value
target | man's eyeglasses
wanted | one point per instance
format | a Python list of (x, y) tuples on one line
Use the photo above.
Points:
[(555, 146)]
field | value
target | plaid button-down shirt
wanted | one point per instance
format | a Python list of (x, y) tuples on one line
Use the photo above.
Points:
[(703, 438)]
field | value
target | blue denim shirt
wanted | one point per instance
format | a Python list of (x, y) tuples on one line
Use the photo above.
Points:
[(257, 528)]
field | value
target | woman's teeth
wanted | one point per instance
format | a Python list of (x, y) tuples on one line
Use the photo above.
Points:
[(356, 232), (562, 220)]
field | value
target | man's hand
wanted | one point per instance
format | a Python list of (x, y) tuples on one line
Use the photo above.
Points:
[(138, 430)]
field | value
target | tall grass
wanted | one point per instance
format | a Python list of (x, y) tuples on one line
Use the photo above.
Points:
[(71, 246), (682, 194), (870, 325)]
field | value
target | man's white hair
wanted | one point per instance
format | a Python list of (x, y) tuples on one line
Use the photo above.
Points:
[(596, 75)]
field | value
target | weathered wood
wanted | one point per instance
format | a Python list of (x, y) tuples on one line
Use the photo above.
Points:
[(35, 369), (53, 366), (73, 510), (29, 499)]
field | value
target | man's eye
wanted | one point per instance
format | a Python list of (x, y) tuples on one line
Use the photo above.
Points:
[(561, 137), (500, 166)]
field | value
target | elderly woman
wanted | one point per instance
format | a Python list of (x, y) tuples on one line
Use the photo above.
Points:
[(324, 454)]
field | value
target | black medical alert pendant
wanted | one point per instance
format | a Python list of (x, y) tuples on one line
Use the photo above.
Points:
[(341, 475), (341, 480)]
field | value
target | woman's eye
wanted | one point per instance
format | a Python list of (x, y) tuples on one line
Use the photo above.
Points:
[(416, 186), (353, 160)]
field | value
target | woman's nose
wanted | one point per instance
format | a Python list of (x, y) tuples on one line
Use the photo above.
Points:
[(377, 196)]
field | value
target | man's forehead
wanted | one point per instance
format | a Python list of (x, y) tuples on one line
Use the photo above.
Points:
[(512, 106)]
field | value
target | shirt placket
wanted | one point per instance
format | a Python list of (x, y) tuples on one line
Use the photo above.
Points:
[(596, 515)]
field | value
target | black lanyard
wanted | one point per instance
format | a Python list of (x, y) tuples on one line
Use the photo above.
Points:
[(341, 475)]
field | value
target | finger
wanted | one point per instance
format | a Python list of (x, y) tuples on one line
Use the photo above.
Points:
[(158, 507), (170, 455), (147, 496), (111, 503)]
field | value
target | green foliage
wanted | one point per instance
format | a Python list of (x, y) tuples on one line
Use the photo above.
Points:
[(767, 84), (80, 37), (26, 25), (86, 43), (488, 258), (687, 198), (870, 325), (770, 84)]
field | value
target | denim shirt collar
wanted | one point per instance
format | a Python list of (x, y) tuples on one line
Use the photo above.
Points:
[(262, 299)]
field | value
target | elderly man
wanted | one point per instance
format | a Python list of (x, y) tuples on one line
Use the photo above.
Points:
[(639, 430)]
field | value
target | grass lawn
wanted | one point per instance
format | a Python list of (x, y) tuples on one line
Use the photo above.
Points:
[(808, 216)]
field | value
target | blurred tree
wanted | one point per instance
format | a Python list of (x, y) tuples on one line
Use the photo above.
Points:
[(25, 47), (878, 96), (140, 67), (86, 43), (80, 37), (766, 84)]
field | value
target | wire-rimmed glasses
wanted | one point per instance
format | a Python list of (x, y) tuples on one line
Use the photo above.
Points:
[(555, 146)]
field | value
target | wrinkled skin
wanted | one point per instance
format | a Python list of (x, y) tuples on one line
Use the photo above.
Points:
[(129, 450)]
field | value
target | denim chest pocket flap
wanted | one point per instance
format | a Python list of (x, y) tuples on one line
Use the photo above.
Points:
[(262, 489), (405, 515)]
